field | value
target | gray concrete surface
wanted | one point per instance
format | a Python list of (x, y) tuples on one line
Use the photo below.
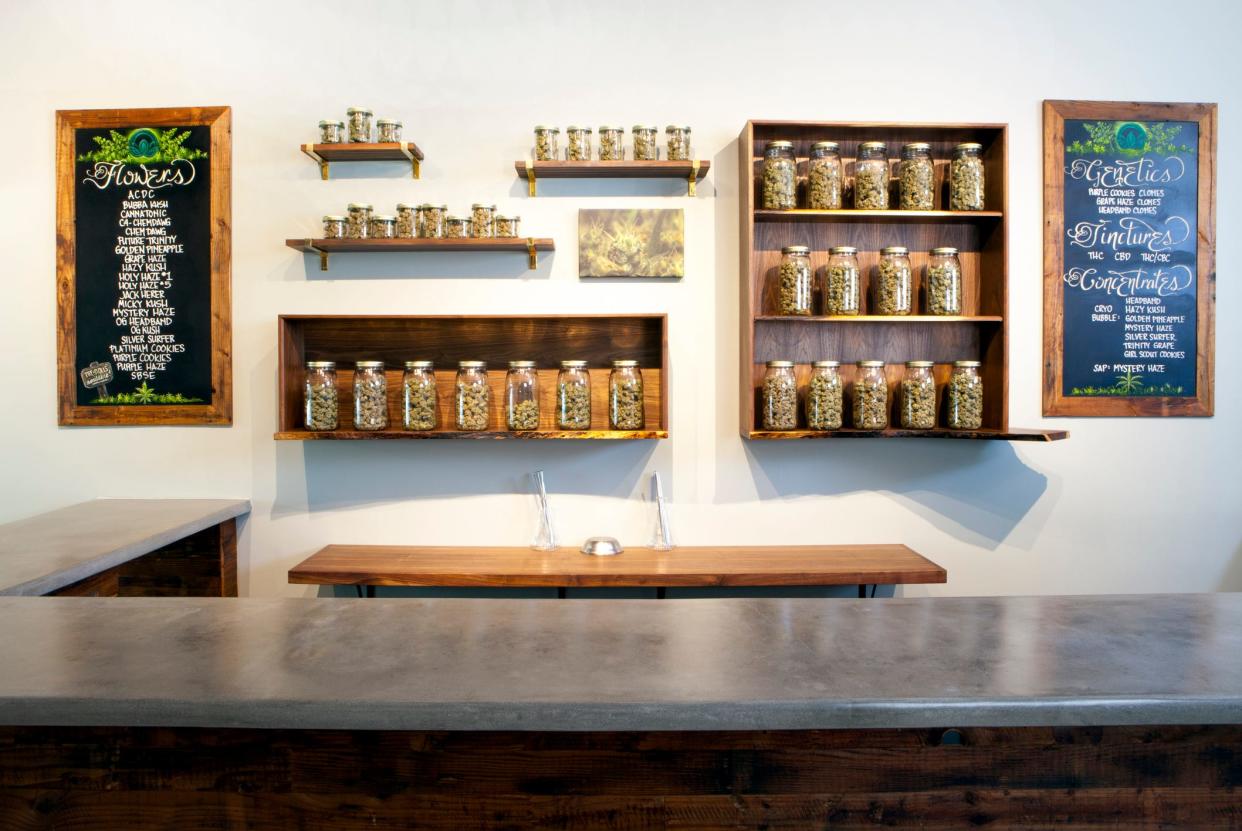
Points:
[(50, 551), (460, 664)]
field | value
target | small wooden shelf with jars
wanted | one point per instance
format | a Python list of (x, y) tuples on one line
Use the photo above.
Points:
[(547, 340), (977, 331)]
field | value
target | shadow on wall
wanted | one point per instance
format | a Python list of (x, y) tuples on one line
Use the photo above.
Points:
[(982, 488), (1231, 580), (334, 475)]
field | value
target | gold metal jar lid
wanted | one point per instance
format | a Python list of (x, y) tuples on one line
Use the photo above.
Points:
[(896, 250), (869, 363), (607, 128), (321, 364), (573, 364), (333, 218), (331, 123), (407, 206), (625, 363), (826, 146), (920, 364), (780, 364), (360, 206), (383, 218), (574, 128), (967, 363), (876, 146), (968, 147), (673, 128), (472, 364), (796, 249), (505, 218), (540, 128), (944, 251), (457, 219), (778, 145), (826, 364), (386, 121), (644, 128), (369, 365), (842, 249), (357, 111), (915, 147), (420, 365), (522, 364), (478, 205)]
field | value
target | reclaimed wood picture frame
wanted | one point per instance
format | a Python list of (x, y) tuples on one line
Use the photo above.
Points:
[(1129, 258), (143, 266)]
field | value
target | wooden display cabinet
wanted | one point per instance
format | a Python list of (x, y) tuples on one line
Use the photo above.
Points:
[(496, 339), (981, 238)]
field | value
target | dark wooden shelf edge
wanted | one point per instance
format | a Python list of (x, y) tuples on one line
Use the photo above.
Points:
[(629, 169), (910, 319), (582, 581), (364, 152), (542, 435), (1015, 434), (850, 215), (384, 246)]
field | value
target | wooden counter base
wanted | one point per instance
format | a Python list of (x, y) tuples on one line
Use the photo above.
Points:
[(1037, 777)]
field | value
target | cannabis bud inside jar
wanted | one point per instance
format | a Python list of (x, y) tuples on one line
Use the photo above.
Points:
[(780, 396)]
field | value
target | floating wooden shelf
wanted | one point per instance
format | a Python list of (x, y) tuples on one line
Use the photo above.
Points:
[(883, 318), (691, 171), (398, 151), (850, 215), (324, 247), (545, 339), (981, 237), (938, 433)]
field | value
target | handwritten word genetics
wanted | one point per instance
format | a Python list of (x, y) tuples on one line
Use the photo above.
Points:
[(1121, 173)]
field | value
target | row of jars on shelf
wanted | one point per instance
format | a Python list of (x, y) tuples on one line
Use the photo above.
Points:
[(425, 221), (612, 143), (822, 401), (893, 290), (916, 175), (357, 128), (472, 396)]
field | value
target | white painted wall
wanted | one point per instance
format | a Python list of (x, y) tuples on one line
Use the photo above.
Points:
[(1124, 506)]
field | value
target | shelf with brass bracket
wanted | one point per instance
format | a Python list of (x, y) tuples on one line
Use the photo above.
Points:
[(690, 171), (324, 247), (399, 151)]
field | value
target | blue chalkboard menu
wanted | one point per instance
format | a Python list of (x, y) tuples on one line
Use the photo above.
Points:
[(1128, 278)]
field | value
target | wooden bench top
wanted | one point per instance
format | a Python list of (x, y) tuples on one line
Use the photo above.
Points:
[(496, 567)]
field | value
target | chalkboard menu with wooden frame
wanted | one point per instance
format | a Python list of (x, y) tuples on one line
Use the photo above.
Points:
[(143, 250), (1129, 258)]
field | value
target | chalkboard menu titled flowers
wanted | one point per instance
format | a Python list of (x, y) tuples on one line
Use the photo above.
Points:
[(1129, 258), (143, 266)]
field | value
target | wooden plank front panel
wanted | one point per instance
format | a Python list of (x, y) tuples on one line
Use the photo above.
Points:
[(387, 565), (200, 565), (138, 778)]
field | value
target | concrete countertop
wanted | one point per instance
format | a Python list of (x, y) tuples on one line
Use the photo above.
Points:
[(49, 551), (622, 664)]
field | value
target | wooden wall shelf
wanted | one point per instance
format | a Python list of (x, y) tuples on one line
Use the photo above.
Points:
[(399, 151), (496, 339), (691, 171), (980, 333), (323, 247)]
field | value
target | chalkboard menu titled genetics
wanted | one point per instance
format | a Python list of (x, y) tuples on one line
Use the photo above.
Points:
[(143, 266), (1129, 260)]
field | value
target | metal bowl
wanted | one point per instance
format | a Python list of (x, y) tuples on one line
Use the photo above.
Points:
[(602, 547)]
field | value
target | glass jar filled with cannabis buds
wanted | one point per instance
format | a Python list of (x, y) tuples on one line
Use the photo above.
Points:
[(918, 396), (795, 296), (625, 396), (824, 177), (611, 144), (842, 282), (780, 176), (577, 144), (370, 396), (964, 410), (966, 178), (319, 396), (472, 405), (823, 396), (780, 396), (522, 396), (944, 282), (419, 399), (894, 287), (871, 177), (870, 396), (646, 145), (678, 141), (547, 141), (387, 130), (573, 396), (916, 176), (359, 119), (331, 132)]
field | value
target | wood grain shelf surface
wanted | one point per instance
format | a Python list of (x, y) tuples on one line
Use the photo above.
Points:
[(397, 151), (898, 433), (495, 566), (660, 169), (850, 215), (884, 318), (371, 246), (381, 435)]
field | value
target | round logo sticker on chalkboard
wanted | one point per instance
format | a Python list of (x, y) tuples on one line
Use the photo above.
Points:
[(144, 144), (1131, 136)]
